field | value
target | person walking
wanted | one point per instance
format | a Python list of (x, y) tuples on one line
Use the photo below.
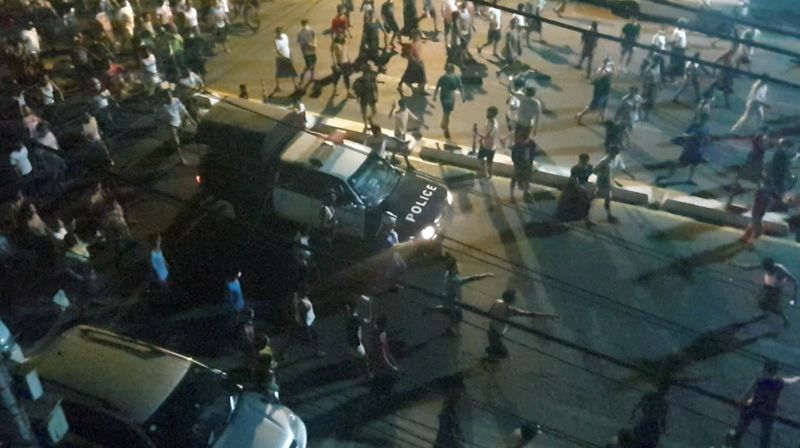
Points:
[(776, 276), (678, 44), (428, 10), (410, 17), (175, 115), (370, 42), (755, 105), (354, 332), (234, 297), (446, 87), (453, 292), (415, 69), (752, 170), (588, 46), (630, 36), (562, 6), (341, 67), (725, 75), (604, 170), (219, 16), (494, 34), (307, 39), (501, 311), (601, 89), (159, 266), (692, 72), (284, 68), (628, 112), (489, 142), (760, 403), (695, 142), (366, 90), (390, 25), (523, 153)]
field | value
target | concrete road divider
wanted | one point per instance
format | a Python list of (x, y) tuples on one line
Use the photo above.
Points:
[(714, 212)]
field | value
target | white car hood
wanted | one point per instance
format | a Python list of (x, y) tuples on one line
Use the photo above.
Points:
[(259, 422)]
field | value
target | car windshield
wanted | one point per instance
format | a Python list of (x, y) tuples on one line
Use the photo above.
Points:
[(374, 180), (197, 411)]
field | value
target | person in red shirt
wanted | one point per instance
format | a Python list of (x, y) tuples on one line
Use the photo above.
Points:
[(340, 25)]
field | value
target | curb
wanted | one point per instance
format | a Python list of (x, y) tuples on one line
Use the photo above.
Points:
[(703, 210)]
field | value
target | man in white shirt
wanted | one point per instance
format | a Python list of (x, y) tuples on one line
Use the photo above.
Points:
[(528, 113), (678, 56), (756, 102), (307, 39), (284, 68), (401, 114), (659, 40), (449, 7), (376, 141), (126, 17), (18, 158), (31, 40), (495, 25), (173, 114), (190, 17), (164, 13), (489, 142)]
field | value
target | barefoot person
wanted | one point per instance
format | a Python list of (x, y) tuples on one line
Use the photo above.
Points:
[(501, 311)]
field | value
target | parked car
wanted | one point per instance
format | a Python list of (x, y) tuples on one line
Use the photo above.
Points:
[(121, 392)]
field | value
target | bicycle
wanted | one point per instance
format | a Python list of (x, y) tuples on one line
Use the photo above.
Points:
[(250, 12)]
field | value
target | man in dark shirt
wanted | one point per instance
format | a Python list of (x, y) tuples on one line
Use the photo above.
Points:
[(588, 45), (630, 34), (523, 151), (762, 403)]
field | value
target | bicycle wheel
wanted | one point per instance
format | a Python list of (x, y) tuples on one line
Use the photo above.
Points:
[(252, 18)]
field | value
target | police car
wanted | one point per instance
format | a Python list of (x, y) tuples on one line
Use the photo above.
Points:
[(261, 143)]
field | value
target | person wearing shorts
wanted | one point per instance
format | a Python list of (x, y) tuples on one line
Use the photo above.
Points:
[(523, 151), (284, 68), (600, 92), (489, 142), (307, 39), (604, 170)]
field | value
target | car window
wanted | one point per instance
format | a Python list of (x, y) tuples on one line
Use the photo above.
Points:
[(307, 182), (102, 429), (374, 180)]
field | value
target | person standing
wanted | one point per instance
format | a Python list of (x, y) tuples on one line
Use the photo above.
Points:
[(523, 152), (630, 35), (415, 70), (341, 67), (284, 68), (511, 51), (691, 78), (628, 111), (588, 46), (159, 265), (376, 141), (340, 24), (400, 113), (601, 89), (756, 103), (576, 198), (653, 420), (489, 142), (304, 319), (453, 291), (221, 22), (410, 17), (528, 114), (724, 80), (175, 115), (604, 170), (307, 39), (354, 331), (370, 42), (752, 170), (234, 297), (366, 90), (449, 434), (776, 276), (678, 43), (447, 85), (390, 25), (501, 311), (651, 84), (760, 403), (385, 363), (495, 24)]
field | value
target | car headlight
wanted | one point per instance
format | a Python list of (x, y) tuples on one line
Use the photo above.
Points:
[(428, 233), (449, 198)]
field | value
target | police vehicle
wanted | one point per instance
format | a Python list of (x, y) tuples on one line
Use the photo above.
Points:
[(261, 156)]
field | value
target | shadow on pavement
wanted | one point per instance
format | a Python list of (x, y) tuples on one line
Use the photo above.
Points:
[(684, 267), (685, 231)]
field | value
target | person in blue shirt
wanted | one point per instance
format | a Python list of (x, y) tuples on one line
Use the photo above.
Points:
[(158, 263), (233, 291)]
